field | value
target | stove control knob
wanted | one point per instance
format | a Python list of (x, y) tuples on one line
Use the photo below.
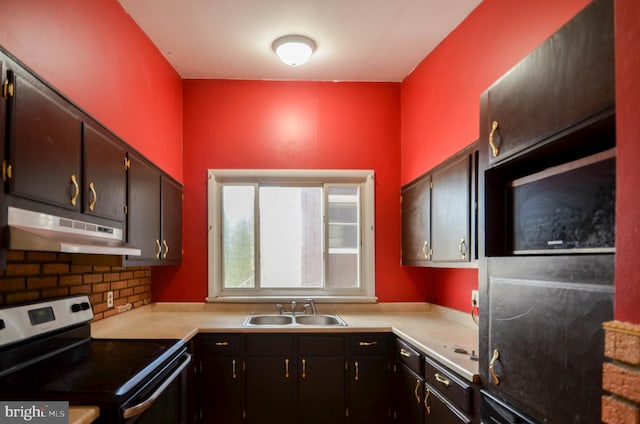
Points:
[(85, 306), (76, 307)]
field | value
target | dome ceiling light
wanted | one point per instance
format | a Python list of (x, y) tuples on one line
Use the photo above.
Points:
[(294, 50)]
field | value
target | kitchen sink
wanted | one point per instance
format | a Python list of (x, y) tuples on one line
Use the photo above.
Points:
[(272, 320), (319, 320)]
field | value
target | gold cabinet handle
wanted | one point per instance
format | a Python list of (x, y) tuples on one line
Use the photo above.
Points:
[(425, 252), (366, 344), (462, 248), (74, 197), (427, 403), (494, 149), (233, 369), (286, 368), (442, 379), (357, 376), (92, 189), (405, 353), (304, 368), (166, 249), (492, 371), (158, 249), (416, 391), (6, 171), (222, 343)]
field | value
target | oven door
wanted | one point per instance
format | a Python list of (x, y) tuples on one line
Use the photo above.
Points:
[(496, 411), (163, 399)]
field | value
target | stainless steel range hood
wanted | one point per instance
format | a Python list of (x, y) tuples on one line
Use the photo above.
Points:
[(30, 230)]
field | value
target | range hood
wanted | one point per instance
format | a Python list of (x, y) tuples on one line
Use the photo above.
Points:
[(30, 230)]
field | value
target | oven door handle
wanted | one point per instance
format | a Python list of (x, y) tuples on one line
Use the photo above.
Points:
[(146, 404)]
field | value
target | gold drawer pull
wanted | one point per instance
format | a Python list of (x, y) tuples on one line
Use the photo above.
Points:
[(494, 149), (442, 379), (233, 369), (462, 248), (92, 189), (166, 249), (357, 377), (76, 187), (494, 377), (427, 405), (416, 391), (365, 344), (222, 343), (405, 353)]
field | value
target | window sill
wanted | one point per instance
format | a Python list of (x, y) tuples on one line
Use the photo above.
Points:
[(270, 299)]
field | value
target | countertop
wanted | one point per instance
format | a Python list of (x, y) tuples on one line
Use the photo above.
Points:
[(433, 329)]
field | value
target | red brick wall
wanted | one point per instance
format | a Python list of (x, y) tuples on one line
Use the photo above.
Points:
[(621, 376), (31, 276)]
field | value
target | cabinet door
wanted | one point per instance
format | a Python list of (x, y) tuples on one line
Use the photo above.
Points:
[(45, 150), (105, 176), (450, 212), (567, 79), (369, 390), (143, 217), (321, 389), (440, 411), (270, 389), (171, 221), (408, 396), (416, 222), (222, 390)]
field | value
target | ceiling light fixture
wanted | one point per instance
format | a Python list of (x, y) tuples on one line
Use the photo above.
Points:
[(294, 50)]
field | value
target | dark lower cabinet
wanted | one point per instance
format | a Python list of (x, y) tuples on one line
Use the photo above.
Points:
[(438, 410), (408, 389), (270, 389), (308, 378), (369, 374)]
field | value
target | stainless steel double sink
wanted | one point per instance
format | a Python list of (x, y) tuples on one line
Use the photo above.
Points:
[(287, 320)]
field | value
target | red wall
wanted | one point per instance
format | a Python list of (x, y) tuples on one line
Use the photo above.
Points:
[(627, 21), (95, 54), (440, 101), (268, 124)]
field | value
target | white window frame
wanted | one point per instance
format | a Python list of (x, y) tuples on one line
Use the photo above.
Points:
[(218, 177)]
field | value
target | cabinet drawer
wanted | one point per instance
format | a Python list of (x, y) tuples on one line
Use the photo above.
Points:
[(321, 345), (440, 411), (220, 344), (453, 387), (269, 344), (409, 356), (369, 344)]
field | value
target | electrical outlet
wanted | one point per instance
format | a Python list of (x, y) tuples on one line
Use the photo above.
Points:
[(109, 299), (474, 298)]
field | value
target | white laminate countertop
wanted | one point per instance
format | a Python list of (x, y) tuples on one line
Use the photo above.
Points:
[(433, 329)]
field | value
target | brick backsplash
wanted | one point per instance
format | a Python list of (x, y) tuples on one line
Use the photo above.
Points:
[(30, 276), (621, 376)]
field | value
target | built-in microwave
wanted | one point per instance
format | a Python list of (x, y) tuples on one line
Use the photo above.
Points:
[(564, 209)]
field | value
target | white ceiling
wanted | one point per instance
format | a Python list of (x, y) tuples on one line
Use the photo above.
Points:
[(358, 40)]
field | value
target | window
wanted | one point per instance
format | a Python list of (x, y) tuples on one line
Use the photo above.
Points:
[(291, 233)]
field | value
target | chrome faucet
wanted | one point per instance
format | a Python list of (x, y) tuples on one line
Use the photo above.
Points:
[(280, 308), (293, 307), (311, 305)]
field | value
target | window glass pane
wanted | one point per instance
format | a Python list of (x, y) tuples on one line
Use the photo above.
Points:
[(238, 236), (290, 237), (343, 260)]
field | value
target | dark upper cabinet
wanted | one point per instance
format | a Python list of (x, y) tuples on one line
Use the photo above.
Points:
[(566, 80), (416, 222), (451, 212), (154, 219), (104, 183), (171, 219), (45, 139), (439, 214)]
